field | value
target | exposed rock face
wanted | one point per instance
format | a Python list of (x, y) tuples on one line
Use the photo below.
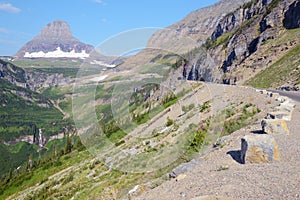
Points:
[(187, 34), (13, 74), (292, 16), (36, 80), (55, 40), (198, 25), (238, 38), (31, 80), (260, 148)]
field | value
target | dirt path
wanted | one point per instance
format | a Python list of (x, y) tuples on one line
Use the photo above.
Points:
[(56, 105), (278, 180)]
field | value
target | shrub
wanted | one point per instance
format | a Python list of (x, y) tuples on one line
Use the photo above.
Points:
[(170, 122)]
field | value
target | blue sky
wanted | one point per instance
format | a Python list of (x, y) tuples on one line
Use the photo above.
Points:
[(91, 21)]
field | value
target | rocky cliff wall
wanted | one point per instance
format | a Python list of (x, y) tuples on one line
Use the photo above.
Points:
[(31, 80), (240, 34)]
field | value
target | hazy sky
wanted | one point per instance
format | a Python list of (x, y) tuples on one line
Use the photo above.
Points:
[(91, 21)]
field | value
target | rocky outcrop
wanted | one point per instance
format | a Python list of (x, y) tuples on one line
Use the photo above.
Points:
[(292, 16), (12, 73), (197, 26), (259, 148), (190, 32), (32, 80), (37, 80), (55, 39), (238, 36)]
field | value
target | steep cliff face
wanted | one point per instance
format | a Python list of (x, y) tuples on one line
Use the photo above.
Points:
[(13, 74), (239, 38), (198, 25), (292, 16), (32, 80), (190, 32)]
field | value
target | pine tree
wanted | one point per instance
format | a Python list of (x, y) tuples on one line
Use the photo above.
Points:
[(68, 146)]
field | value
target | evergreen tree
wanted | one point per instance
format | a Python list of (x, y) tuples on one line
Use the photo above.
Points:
[(68, 146)]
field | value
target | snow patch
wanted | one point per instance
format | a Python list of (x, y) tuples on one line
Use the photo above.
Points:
[(58, 53), (96, 62), (101, 78)]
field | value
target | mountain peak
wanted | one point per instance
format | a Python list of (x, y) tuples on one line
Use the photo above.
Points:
[(55, 41), (57, 29)]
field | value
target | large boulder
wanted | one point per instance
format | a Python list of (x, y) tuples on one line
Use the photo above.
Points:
[(275, 126), (287, 106), (284, 115), (260, 148)]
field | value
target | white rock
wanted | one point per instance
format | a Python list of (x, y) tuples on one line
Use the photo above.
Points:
[(134, 190)]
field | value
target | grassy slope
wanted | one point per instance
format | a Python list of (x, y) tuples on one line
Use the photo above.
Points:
[(15, 155), (20, 116), (26, 180), (22, 112), (282, 70), (82, 176), (66, 67)]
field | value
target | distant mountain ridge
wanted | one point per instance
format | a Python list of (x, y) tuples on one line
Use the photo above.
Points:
[(231, 42), (54, 41), (188, 33), (198, 25)]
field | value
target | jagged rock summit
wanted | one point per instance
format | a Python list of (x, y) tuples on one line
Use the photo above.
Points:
[(55, 41)]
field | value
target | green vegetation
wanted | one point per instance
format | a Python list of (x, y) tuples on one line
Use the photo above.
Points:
[(56, 93), (179, 63), (170, 122), (67, 72), (188, 108), (103, 93), (235, 121), (271, 6), (225, 38), (222, 40), (198, 138), (160, 69), (169, 100), (22, 114), (69, 171), (249, 4), (48, 63), (80, 175), (15, 155), (280, 72), (39, 170), (205, 106), (66, 67)]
